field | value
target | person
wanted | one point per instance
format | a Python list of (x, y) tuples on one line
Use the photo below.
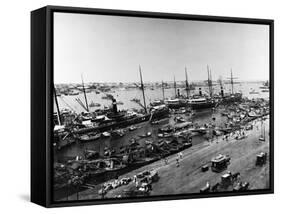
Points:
[(149, 186), (177, 162), (166, 161), (103, 191), (180, 155), (135, 179)]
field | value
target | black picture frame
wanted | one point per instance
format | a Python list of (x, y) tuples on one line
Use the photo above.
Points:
[(42, 102)]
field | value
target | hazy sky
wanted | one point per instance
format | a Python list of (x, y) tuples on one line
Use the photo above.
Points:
[(111, 48)]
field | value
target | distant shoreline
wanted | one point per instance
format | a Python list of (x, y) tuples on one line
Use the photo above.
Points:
[(159, 82)]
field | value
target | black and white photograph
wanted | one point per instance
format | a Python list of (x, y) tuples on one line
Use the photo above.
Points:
[(146, 107)]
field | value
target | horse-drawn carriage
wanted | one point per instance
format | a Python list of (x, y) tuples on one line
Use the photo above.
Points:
[(261, 159), (229, 178), (205, 168), (206, 188), (220, 163)]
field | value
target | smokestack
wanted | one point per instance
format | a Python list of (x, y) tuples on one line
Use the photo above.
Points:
[(114, 106), (200, 92), (178, 92), (222, 93)]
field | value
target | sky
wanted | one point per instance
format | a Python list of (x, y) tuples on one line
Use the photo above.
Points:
[(111, 48)]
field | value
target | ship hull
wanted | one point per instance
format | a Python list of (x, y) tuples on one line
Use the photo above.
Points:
[(176, 105), (124, 123), (196, 106)]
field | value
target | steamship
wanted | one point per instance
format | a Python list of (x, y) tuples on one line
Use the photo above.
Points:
[(114, 119), (200, 102)]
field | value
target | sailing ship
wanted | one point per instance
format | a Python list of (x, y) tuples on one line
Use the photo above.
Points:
[(154, 112), (199, 101), (233, 97)]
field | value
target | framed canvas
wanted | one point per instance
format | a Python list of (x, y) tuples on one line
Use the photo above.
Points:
[(131, 106)]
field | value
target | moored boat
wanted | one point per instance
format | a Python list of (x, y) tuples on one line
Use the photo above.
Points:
[(92, 104), (89, 137)]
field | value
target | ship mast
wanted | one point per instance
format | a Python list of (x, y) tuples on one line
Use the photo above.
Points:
[(87, 107), (57, 105), (175, 86), (210, 81), (163, 90), (142, 88), (221, 86), (231, 81), (186, 83), (220, 81)]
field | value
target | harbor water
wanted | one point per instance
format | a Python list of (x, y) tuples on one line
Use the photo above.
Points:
[(126, 95), (200, 117)]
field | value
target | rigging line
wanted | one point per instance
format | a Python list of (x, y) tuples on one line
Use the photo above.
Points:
[(146, 96), (81, 104)]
